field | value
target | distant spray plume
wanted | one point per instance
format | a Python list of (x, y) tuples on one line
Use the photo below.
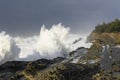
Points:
[(8, 49)]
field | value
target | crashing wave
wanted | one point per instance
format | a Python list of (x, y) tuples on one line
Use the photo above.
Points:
[(50, 43)]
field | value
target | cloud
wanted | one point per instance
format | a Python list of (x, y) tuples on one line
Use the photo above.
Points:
[(80, 15)]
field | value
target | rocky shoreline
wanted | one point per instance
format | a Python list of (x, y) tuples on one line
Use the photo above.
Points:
[(73, 67)]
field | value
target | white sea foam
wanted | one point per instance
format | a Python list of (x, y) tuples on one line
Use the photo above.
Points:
[(8, 49), (50, 43)]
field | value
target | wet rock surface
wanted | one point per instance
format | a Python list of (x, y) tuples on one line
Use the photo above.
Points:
[(74, 67)]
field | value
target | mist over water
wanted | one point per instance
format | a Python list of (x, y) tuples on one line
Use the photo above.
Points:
[(8, 48), (50, 43)]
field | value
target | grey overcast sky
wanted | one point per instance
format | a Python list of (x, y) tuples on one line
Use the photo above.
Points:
[(25, 17)]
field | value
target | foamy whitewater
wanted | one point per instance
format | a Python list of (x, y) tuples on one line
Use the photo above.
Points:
[(50, 43)]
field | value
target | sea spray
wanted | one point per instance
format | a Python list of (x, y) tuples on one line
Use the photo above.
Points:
[(50, 43), (8, 49)]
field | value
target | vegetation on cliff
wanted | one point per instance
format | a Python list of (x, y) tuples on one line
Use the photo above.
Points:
[(113, 26), (107, 32)]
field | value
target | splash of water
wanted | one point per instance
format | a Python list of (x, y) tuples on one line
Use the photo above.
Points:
[(8, 49), (50, 43)]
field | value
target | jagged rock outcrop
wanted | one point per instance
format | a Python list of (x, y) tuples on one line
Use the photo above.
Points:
[(68, 71), (74, 67), (44, 69), (17, 70)]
